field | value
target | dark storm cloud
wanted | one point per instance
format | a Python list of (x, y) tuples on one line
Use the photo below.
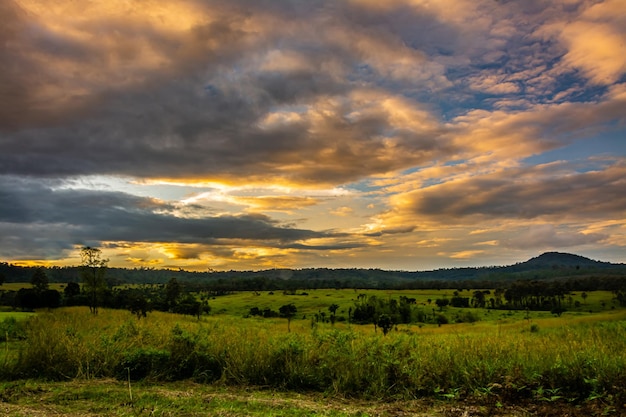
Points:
[(170, 134), (37, 219)]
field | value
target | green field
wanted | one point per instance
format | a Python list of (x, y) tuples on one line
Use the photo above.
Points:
[(15, 286), (18, 315), (239, 304)]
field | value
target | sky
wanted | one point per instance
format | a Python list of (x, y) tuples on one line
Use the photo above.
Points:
[(258, 134)]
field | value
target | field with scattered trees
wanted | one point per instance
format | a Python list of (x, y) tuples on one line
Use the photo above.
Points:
[(522, 347)]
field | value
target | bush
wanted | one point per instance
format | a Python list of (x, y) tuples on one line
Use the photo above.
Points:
[(441, 319), (12, 329), (467, 317), (189, 359), (143, 363)]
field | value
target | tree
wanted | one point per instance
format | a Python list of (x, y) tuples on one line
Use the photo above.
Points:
[(190, 306), (72, 289), (558, 311), (333, 312), (27, 299), (441, 303), (172, 293), (584, 297), (385, 323), (440, 319), (93, 273), (288, 311), (50, 298), (620, 296), (479, 299), (138, 304), (39, 280)]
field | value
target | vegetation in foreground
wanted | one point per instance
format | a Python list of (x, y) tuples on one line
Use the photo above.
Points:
[(108, 397), (549, 361)]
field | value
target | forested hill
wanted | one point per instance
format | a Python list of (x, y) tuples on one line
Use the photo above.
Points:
[(550, 265), (558, 260)]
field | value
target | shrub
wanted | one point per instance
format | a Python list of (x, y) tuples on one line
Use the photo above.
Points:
[(142, 363), (467, 317), (190, 359), (441, 319), (12, 329)]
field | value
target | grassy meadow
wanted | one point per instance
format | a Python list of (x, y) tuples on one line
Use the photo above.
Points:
[(505, 357), (309, 302), (15, 286)]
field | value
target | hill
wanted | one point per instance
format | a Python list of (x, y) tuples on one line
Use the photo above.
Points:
[(558, 260)]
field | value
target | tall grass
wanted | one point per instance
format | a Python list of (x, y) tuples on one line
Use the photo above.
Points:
[(576, 361)]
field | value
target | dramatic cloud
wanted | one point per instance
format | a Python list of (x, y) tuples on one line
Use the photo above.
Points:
[(547, 236), (522, 193), (251, 134), (83, 216)]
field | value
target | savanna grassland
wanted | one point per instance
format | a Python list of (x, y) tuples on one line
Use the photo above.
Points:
[(231, 363)]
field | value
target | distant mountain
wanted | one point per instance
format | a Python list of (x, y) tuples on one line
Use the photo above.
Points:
[(559, 259)]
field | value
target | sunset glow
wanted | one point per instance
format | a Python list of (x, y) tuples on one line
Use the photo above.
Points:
[(405, 134)]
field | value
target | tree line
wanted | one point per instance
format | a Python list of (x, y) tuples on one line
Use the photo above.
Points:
[(96, 292), (588, 277)]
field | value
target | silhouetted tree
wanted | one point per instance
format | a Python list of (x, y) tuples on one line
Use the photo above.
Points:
[(441, 319), (189, 305), (172, 293), (333, 311), (93, 273), (138, 304), (39, 280), (27, 299), (584, 297), (620, 296), (50, 299), (479, 299), (385, 323), (460, 302), (71, 292), (441, 303), (288, 311)]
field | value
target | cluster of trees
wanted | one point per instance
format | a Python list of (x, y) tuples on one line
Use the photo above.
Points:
[(620, 296), (40, 295), (521, 295), (287, 311), (385, 313), (97, 292), (535, 295)]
